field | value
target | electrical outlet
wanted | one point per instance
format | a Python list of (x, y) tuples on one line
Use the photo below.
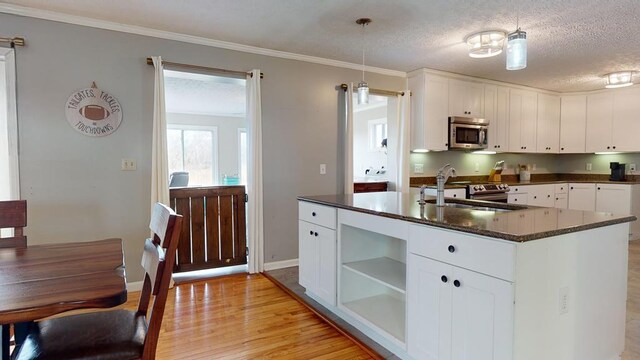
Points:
[(589, 167), (476, 167), (632, 168), (534, 167), (563, 306), (418, 168), (323, 169), (128, 165)]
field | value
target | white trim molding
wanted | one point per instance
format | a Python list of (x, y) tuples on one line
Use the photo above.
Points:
[(134, 286), (138, 30), (280, 264)]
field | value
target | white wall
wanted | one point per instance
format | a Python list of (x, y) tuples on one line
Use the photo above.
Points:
[(228, 141), (363, 157), (73, 183)]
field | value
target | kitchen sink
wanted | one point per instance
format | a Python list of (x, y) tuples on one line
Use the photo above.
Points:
[(473, 205)]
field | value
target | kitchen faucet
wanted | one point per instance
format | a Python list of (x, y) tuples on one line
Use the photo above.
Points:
[(441, 178)]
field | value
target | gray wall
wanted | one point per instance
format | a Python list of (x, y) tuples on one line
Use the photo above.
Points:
[(73, 183)]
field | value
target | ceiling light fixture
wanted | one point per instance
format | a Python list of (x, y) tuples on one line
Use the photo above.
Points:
[(619, 79), (485, 43), (363, 87), (517, 47)]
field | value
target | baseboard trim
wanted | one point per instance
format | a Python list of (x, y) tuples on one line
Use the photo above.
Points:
[(134, 286), (280, 264)]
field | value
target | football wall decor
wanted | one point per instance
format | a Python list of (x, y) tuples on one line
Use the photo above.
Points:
[(93, 112)]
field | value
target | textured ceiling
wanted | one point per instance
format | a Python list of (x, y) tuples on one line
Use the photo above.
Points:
[(571, 42), (188, 93)]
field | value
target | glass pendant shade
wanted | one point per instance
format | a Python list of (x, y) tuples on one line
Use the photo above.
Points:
[(485, 44), (517, 50), (619, 79), (363, 93)]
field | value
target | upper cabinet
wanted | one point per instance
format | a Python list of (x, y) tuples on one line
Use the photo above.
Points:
[(599, 122), (626, 119), (496, 110), (548, 130), (466, 99), (573, 123), (523, 106), (429, 112)]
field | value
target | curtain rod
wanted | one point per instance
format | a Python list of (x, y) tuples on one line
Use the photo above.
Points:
[(241, 74), (377, 91), (14, 41)]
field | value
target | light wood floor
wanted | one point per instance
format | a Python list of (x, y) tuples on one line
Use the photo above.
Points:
[(244, 317), (248, 317)]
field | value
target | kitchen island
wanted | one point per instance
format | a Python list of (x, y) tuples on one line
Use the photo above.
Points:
[(471, 280)]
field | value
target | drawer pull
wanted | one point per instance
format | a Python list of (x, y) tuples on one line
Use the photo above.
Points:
[(315, 234), (444, 279), (311, 232), (313, 213), (451, 249), (456, 283)]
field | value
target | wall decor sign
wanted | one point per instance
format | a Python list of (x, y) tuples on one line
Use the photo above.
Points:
[(93, 112)]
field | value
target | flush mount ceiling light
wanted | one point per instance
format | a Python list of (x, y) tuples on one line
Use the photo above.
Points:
[(517, 47), (619, 79), (363, 87), (485, 43)]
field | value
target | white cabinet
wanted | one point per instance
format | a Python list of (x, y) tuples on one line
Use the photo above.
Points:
[(582, 196), (450, 193), (573, 123), (562, 196), (599, 122), (429, 112), (541, 195), (317, 250), (613, 198), (523, 115), (626, 119), (496, 110), (466, 99), (548, 130)]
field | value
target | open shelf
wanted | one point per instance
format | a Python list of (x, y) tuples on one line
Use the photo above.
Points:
[(388, 272), (384, 311)]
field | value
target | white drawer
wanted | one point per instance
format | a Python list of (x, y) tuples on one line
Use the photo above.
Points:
[(561, 188), (517, 189), (517, 198), (481, 254), (317, 214)]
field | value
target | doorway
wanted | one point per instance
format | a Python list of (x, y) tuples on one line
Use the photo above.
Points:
[(207, 157)]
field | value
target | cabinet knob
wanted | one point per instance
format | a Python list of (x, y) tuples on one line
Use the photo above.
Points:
[(498, 146), (311, 232), (315, 234), (444, 279), (451, 248), (313, 213), (515, 200), (608, 147), (614, 147), (557, 199), (548, 196), (598, 188), (455, 195), (456, 283), (535, 197), (572, 188), (561, 148)]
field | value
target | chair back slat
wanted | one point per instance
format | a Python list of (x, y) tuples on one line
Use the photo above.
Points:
[(158, 259), (13, 214)]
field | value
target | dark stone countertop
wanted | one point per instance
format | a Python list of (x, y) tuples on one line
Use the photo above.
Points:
[(524, 223)]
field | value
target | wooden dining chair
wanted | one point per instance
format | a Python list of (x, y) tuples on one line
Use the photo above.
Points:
[(13, 215), (116, 334)]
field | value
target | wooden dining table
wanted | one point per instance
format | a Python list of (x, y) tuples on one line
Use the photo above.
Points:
[(44, 280)]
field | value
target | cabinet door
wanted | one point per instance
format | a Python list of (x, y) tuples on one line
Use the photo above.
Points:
[(599, 122), (562, 201), (429, 308), (613, 198), (307, 256), (541, 195), (548, 130), (496, 110), (326, 272), (455, 193), (466, 98), (482, 317), (573, 123), (626, 119), (582, 197), (522, 120), (429, 112)]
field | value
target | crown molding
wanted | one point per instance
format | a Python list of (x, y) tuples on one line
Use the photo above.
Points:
[(138, 30)]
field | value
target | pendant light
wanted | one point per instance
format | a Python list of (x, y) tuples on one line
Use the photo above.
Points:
[(363, 87), (619, 79), (517, 47)]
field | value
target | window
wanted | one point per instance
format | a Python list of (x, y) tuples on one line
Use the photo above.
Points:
[(194, 149), (377, 134)]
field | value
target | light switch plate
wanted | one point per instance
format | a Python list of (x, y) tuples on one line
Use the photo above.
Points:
[(323, 169), (632, 167), (418, 168), (128, 165), (589, 167)]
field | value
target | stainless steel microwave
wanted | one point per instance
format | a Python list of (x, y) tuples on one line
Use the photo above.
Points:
[(467, 133)]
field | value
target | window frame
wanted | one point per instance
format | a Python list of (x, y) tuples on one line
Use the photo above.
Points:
[(371, 125), (214, 147)]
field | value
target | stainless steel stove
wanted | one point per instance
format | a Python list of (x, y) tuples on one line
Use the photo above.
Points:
[(488, 192)]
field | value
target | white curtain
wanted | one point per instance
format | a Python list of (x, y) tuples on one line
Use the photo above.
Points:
[(403, 147), (254, 180), (348, 142), (159, 158)]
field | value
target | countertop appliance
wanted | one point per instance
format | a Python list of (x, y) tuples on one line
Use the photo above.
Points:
[(467, 133), (617, 171), (488, 192)]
